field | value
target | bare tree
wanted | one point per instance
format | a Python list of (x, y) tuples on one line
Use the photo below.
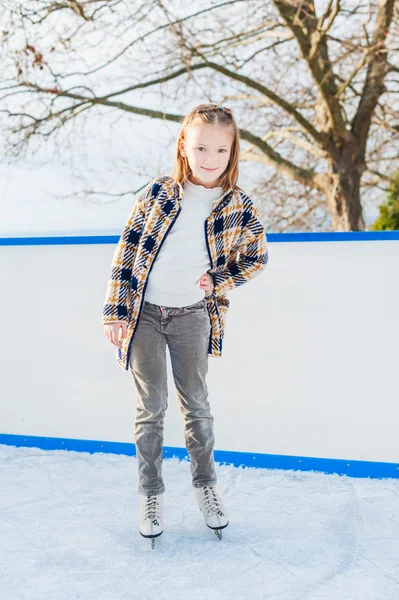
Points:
[(316, 91)]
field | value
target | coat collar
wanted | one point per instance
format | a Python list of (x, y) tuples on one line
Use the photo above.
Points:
[(217, 205)]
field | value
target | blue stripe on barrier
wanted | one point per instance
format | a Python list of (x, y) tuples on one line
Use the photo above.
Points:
[(336, 236), (345, 236), (351, 468), (59, 240)]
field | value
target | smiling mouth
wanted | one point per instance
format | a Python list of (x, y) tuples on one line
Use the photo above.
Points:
[(209, 169)]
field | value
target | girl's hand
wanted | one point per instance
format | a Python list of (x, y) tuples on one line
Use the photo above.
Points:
[(112, 331), (206, 282)]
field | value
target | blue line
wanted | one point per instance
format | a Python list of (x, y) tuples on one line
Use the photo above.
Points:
[(59, 240), (336, 236), (351, 468), (344, 236)]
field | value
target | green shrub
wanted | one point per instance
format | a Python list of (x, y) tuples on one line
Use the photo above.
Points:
[(389, 210)]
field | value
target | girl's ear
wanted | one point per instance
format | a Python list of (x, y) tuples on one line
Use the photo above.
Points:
[(182, 148)]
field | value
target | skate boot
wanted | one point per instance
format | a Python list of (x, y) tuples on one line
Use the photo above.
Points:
[(151, 516), (212, 509)]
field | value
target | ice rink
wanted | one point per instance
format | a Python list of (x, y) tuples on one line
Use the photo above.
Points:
[(68, 531)]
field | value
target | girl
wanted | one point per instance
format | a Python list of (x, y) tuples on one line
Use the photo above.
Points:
[(190, 238)]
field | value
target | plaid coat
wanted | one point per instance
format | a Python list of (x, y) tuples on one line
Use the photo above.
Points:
[(237, 247)]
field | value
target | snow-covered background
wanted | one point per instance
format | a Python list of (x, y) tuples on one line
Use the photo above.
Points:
[(47, 194)]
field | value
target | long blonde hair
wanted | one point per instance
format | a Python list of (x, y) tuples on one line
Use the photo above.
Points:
[(210, 114)]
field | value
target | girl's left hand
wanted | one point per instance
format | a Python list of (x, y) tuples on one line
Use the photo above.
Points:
[(206, 283)]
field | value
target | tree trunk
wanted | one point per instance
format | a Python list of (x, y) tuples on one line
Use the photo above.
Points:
[(343, 193), (346, 166)]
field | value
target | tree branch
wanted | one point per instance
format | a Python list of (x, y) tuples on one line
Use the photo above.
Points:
[(284, 167), (289, 108), (142, 37), (274, 159), (301, 19), (316, 135), (377, 69)]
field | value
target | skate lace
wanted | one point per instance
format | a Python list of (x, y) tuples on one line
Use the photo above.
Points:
[(151, 510), (211, 501)]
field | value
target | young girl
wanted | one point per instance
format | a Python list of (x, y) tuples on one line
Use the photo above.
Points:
[(190, 238)]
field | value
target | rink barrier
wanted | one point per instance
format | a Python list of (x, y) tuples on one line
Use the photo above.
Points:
[(330, 466), (351, 468), (336, 236)]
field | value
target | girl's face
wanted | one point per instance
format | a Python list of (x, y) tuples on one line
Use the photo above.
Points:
[(207, 147)]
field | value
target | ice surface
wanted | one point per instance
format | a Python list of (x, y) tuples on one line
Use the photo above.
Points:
[(68, 531)]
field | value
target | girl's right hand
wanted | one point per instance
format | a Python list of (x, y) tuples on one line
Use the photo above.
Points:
[(112, 331)]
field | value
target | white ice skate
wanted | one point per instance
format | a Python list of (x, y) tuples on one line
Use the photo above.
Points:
[(212, 509), (151, 517)]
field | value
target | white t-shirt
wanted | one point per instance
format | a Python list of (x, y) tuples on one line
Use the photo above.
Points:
[(183, 258)]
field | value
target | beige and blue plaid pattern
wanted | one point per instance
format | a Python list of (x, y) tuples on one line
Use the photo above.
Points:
[(237, 247)]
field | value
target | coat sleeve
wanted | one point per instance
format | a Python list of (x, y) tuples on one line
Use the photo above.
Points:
[(117, 293), (246, 261)]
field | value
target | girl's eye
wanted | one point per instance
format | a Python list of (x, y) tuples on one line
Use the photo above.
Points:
[(221, 149)]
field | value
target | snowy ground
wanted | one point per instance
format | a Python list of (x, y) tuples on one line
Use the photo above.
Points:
[(68, 530)]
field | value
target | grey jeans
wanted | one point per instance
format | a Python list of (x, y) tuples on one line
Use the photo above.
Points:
[(186, 331)]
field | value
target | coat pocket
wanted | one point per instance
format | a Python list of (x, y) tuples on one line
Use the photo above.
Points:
[(217, 308), (222, 304)]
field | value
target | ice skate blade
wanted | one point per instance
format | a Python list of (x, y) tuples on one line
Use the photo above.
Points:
[(152, 538), (218, 531)]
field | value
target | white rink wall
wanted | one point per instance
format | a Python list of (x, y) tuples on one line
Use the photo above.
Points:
[(310, 352)]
